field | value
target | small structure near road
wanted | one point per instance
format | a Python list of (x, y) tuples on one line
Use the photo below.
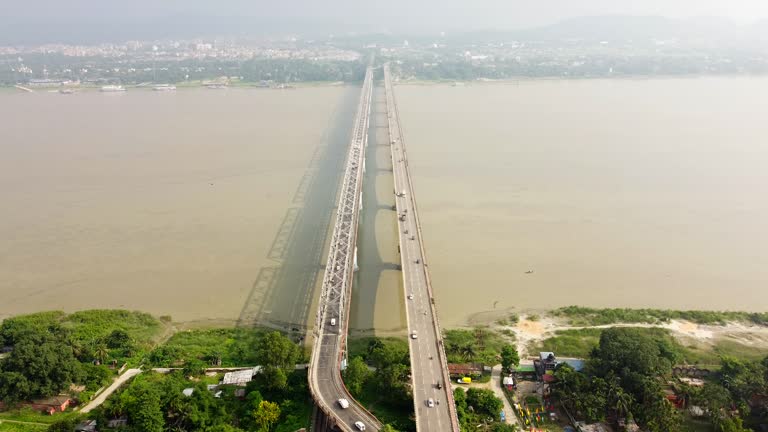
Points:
[(241, 377), (51, 405), (460, 370), (86, 426)]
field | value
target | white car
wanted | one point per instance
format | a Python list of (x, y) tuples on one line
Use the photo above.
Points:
[(360, 425), (413, 335), (344, 403), (431, 403), (410, 296)]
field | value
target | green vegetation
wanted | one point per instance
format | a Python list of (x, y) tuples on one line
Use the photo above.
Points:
[(509, 357), (622, 379), (229, 346), (21, 427), (569, 343), (155, 402), (626, 375), (477, 406), (476, 345), (384, 390), (52, 350), (584, 316)]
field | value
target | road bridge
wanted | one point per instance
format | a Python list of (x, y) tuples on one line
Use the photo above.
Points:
[(433, 401), (429, 367)]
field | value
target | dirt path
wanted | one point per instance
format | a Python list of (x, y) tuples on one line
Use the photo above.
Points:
[(130, 373)]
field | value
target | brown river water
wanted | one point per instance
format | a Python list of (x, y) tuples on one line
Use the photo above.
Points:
[(216, 205)]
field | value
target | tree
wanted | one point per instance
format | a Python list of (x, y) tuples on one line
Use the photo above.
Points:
[(47, 365), (14, 387), (460, 398), (276, 350), (485, 401), (118, 339), (468, 352), (356, 375), (625, 350), (278, 356), (101, 352), (388, 428), (64, 425), (266, 415), (145, 412), (509, 357)]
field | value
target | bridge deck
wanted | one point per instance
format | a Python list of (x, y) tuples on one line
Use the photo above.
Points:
[(428, 363)]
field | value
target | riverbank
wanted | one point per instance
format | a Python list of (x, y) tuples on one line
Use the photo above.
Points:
[(731, 334)]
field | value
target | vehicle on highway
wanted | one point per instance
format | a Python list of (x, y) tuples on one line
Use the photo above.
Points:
[(431, 403), (418, 260), (410, 296), (414, 335), (344, 403), (360, 425), (333, 321), (439, 385)]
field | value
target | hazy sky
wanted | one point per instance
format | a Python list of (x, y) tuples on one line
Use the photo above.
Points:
[(61, 18), (450, 13)]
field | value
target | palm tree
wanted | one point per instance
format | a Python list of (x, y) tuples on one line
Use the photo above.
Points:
[(101, 352), (468, 351)]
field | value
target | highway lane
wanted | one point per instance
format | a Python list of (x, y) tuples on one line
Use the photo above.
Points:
[(428, 363)]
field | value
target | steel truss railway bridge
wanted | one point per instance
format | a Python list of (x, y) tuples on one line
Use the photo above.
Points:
[(429, 372)]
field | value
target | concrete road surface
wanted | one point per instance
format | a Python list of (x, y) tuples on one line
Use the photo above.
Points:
[(130, 373)]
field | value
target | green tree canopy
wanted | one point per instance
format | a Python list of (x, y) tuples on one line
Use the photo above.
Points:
[(266, 415), (509, 357), (355, 376), (484, 401)]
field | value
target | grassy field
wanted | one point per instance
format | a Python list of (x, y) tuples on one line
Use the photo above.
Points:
[(474, 345), (359, 346), (236, 346), (31, 416), (584, 316), (21, 427)]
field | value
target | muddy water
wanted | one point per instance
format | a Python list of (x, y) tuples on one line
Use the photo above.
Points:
[(637, 193), (197, 204), (377, 301)]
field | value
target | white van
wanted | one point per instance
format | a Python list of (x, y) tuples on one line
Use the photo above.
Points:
[(333, 321)]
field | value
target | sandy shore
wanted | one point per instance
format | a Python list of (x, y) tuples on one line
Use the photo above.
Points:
[(528, 331)]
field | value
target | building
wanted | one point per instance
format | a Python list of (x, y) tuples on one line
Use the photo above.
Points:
[(459, 370), (241, 377), (86, 426), (50, 405)]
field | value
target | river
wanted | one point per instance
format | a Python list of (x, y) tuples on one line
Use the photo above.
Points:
[(216, 205), (198, 204), (625, 193)]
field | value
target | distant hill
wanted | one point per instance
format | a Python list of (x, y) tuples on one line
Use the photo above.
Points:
[(621, 27)]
